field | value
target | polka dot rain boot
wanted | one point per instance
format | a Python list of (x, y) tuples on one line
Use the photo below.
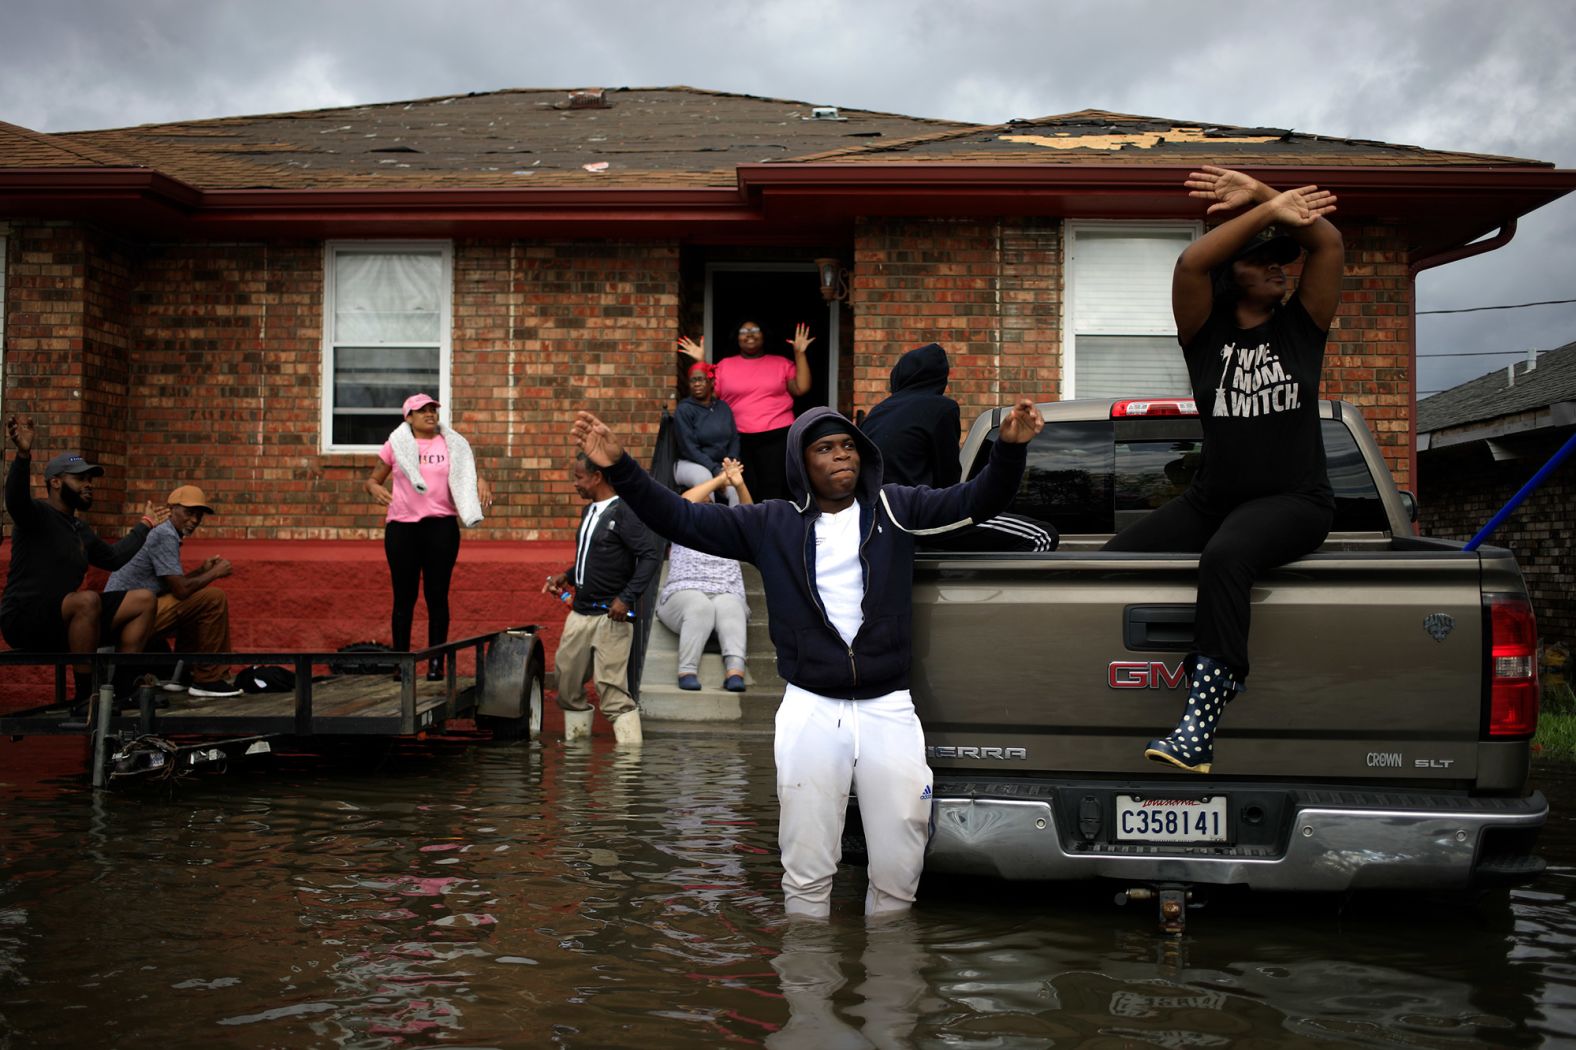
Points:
[(1191, 745)]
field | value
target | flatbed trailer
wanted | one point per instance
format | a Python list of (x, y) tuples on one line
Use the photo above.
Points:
[(505, 695)]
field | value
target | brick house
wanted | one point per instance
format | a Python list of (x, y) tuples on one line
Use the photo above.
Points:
[(243, 301), (1478, 444)]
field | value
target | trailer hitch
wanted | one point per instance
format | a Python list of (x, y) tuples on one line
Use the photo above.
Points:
[(1172, 901)]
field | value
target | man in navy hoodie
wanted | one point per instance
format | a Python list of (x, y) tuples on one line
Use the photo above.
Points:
[(836, 560)]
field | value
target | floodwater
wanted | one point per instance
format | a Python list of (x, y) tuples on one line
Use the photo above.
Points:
[(466, 894)]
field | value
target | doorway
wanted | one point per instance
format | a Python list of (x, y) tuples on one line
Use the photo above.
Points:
[(776, 296)]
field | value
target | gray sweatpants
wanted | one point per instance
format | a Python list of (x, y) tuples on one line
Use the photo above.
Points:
[(693, 615)]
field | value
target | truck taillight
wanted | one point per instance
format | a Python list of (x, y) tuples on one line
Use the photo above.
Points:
[(1155, 406), (1513, 670)]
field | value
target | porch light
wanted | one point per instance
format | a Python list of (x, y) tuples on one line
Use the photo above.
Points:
[(834, 280)]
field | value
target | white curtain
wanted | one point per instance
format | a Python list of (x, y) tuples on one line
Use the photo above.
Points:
[(387, 298), (1124, 338)]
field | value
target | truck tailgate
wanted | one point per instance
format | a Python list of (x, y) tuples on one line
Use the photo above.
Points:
[(1366, 664)]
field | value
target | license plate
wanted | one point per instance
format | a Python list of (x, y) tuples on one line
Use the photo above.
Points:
[(1170, 819)]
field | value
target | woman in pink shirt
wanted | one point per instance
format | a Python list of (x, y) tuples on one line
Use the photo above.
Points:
[(760, 388), (435, 487)]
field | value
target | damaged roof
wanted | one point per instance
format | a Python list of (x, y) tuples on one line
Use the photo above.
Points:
[(644, 137), (1095, 136), (1550, 381), (662, 137)]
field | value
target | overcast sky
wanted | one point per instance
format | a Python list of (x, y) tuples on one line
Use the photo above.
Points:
[(1462, 75)]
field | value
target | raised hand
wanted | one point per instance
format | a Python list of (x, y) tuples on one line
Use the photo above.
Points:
[(20, 430), (733, 470), (157, 511), (1022, 423), (599, 443), (691, 347), (801, 338), (1228, 190), (1302, 207)]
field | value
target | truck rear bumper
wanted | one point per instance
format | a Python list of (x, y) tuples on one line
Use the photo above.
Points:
[(1332, 841)]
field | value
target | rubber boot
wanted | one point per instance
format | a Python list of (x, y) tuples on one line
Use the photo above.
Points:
[(1191, 745), (626, 728), (577, 724)]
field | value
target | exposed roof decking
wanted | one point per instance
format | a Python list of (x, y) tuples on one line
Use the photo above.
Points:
[(1095, 136)]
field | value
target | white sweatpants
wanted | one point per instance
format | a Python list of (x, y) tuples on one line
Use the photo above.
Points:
[(822, 747)]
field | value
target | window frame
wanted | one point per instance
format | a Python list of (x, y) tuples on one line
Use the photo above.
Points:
[(445, 344), (1070, 234)]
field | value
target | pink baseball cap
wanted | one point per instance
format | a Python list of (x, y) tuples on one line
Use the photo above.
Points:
[(416, 401)]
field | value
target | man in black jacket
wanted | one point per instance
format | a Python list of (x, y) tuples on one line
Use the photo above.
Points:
[(837, 562), (51, 548), (616, 559)]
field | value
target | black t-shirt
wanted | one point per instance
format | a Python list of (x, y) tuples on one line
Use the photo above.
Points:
[(1258, 400)]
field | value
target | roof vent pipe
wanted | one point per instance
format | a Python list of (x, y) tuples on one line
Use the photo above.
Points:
[(1510, 376), (591, 98), (1532, 359)]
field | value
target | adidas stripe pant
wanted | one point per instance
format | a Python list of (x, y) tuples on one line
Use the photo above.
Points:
[(823, 747)]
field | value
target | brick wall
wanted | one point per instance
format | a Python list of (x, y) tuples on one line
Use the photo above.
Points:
[(989, 292), (1461, 488), (201, 361), (179, 362), (46, 278), (593, 326), (1370, 360)]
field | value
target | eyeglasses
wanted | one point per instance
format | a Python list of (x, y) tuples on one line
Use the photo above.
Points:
[(749, 330)]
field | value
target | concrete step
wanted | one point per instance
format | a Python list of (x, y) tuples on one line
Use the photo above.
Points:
[(662, 701)]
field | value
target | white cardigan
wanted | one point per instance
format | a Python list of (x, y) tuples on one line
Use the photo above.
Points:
[(462, 469)]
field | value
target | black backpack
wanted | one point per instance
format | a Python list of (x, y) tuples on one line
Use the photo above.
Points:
[(262, 679)]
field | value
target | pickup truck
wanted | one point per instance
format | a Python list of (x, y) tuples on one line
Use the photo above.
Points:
[(1383, 740)]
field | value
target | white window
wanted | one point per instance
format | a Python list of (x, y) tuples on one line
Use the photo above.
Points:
[(1120, 338), (386, 324)]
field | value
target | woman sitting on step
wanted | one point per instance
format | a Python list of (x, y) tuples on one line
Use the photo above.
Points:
[(705, 593)]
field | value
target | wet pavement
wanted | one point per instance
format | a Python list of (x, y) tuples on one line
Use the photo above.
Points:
[(475, 895)]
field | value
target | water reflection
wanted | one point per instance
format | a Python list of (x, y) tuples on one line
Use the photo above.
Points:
[(543, 895)]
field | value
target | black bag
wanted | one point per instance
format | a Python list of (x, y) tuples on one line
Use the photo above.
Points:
[(363, 665), (263, 679)]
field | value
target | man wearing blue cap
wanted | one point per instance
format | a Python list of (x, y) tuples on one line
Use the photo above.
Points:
[(51, 548)]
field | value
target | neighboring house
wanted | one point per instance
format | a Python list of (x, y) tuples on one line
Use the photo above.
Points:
[(1479, 443), (245, 300)]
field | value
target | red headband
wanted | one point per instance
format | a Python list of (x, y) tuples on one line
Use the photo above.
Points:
[(704, 366)]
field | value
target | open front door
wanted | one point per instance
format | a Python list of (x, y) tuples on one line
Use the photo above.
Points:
[(776, 296)]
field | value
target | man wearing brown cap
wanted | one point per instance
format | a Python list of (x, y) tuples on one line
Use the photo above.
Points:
[(196, 613), (42, 610)]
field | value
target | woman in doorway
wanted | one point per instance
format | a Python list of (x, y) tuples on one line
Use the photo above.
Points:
[(1261, 496), (706, 434), (760, 388), (435, 487), (705, 593)]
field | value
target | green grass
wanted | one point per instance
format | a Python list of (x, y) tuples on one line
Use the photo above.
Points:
[(1556, 737)]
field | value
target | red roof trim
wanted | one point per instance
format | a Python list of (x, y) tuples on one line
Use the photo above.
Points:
[(767, 195)]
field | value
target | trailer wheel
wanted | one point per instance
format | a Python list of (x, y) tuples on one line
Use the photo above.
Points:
[(517, 714)]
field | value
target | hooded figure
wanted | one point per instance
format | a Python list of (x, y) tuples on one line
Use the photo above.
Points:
[(918, 427), (836, 561)]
